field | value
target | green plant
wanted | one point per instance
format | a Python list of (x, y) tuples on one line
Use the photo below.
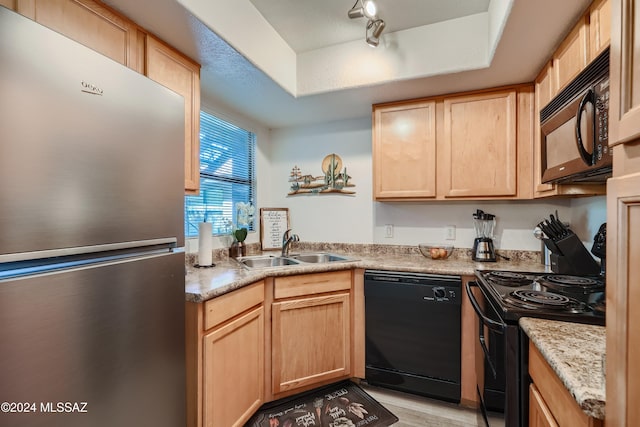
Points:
[(240, 234), (244, 216)]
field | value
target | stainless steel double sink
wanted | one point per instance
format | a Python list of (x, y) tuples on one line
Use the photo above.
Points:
[(266, 261)]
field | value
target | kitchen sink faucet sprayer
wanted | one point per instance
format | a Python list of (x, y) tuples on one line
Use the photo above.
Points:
[(287, 239)]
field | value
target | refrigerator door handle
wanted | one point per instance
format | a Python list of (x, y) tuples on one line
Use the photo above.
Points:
[(169, 243)]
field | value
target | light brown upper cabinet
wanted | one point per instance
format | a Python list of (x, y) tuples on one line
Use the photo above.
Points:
[(90, 23), (588, 38), (479, 146), (10, 4), (573, 54), (97, 26), (404, 150), (177, 72), (624, 108), (599, 27), (467, 146), (545, 88)]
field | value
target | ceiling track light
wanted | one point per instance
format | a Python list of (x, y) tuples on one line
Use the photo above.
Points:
[(374, 31), (362, 9), (375, 26)]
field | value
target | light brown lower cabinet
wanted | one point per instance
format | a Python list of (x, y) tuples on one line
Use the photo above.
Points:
[(225, 358), (234, 370), (272, 339), (539, 413), (550, 403), (311, 330), (310, 341)]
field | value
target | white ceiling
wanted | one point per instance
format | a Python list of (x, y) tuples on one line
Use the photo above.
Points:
[(232, 82), (311, 24)]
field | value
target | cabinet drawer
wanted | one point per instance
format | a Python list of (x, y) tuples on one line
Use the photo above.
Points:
[(225, 307), (309, 284)]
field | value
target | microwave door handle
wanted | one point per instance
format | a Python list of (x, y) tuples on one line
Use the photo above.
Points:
[(587, 157)]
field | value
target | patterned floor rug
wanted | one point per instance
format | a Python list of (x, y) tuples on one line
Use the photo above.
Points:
[(343, 404)]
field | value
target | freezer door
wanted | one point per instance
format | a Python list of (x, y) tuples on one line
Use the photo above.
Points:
[(97, 346), (91, 152)]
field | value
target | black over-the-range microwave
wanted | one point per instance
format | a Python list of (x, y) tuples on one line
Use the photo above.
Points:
[(574, 129)]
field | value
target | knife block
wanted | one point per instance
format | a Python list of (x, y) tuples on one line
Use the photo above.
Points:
[(571, 257)]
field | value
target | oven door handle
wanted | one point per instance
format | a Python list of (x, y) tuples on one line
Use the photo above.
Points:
[(498, 327)]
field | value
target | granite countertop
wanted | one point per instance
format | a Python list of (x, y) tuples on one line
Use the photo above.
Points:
[(202, 284), (575, 352)]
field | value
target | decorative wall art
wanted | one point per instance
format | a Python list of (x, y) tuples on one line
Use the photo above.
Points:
[(273, 223), (335, 179)]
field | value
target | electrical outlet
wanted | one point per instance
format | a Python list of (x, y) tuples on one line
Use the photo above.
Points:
[(388, 230), (450, 232)]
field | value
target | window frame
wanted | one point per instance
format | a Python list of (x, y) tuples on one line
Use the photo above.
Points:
[(196, 208)]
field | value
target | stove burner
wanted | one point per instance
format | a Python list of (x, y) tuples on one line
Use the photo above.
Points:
[(509, 278), (541, 297), (572, 280), (571, 284), (539, 300)]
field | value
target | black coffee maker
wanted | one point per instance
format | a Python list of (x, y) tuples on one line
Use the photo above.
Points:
[(599, 247)]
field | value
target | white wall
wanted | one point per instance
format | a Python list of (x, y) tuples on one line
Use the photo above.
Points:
[(329, 217), (358, 219)]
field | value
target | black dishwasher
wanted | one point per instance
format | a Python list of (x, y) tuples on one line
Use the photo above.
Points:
[(413, 332)]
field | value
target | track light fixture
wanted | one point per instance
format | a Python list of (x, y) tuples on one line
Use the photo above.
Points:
[(375, 26), (374, 30), (367, 8)]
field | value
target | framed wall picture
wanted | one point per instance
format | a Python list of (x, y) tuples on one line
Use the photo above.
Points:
[(273, 223)]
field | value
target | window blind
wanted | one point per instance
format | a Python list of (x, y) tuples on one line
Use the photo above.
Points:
[(227, 175)]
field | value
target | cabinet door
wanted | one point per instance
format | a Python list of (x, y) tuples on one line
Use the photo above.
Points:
[(623, 296), (599, 27), (177, 72), (624, 107), (572, 55), (87, 22), (9, 4), (479, 145), (545, 88), (539, 413), (404, 151), (545, 91), (233, 369), (310, 341)]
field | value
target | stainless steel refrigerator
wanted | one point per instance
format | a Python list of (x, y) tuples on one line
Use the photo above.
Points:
[(91, 238)]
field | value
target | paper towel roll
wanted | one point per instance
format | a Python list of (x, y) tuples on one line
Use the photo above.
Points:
[(204, 244)]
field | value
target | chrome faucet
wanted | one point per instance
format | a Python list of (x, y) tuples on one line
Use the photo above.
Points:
[(287, 238)]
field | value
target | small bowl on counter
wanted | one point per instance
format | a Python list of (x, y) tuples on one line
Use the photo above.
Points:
[(435, 251)]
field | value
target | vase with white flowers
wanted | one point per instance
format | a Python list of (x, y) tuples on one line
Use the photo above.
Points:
[(239, 230)]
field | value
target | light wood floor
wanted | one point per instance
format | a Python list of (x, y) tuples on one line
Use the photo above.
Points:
[(418, 411)]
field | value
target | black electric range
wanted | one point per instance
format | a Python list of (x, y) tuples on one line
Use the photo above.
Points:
[(506, 297), (553, 296)]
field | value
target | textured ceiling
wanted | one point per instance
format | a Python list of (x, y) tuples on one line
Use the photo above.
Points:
[(232, 83), (306, 25)]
